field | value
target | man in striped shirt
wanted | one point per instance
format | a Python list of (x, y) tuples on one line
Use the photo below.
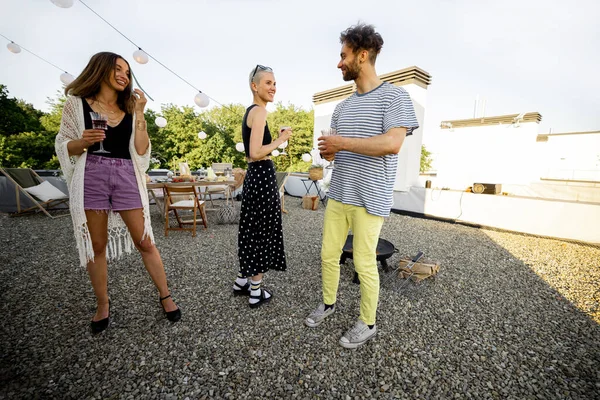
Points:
[(371, 126)]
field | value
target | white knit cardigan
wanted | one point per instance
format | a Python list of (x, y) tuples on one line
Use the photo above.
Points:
[(73, 167)]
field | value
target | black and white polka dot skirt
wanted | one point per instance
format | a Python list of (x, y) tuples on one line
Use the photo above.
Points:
[(260, 238)]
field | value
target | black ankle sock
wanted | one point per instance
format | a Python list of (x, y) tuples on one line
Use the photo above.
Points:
[(328, 306), (371, 326)]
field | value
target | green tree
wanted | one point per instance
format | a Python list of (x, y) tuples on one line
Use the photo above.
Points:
[(228, 118), (426, 159), (157, 140), (17, 116), (180, 136), (179, 141), (217, 147), (32, 144), (29, 150), (302, 123), (51, 121)]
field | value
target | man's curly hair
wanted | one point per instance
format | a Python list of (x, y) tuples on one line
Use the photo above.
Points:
[(363, 37)]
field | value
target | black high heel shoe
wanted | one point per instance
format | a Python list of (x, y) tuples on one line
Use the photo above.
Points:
[(99, 326), (172, 316)]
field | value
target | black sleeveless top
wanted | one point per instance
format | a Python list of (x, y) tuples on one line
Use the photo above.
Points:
[(247, 131), (117, 138)]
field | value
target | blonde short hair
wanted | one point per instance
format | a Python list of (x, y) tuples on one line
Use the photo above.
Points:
[(256, 74)]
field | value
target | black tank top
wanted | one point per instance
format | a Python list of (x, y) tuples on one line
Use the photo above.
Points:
[(117, 138), (246, 131)]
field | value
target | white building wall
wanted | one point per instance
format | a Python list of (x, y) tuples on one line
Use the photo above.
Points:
[(489, 154), (574, 156), (409, 159), (512, 156)]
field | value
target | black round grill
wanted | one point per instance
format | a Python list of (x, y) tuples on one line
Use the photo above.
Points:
[(385, 250)]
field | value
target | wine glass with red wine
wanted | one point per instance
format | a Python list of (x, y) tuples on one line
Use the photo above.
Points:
[(99, 121)]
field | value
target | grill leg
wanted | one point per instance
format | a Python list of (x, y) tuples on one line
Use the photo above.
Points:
[(385, 265)]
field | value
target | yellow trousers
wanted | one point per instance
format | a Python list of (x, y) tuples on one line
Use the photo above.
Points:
[(365, 227)]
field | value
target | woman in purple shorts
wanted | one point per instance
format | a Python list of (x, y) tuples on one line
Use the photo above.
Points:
[(108, 197)]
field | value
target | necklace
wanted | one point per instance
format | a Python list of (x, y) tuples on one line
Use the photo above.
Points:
[(112, 122), (104, 109), (113, 118)]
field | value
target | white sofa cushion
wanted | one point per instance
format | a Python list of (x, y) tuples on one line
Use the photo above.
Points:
[(217, 188), (185, 203), (46, 191)]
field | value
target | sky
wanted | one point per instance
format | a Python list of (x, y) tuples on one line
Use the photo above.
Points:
[(520, 56)]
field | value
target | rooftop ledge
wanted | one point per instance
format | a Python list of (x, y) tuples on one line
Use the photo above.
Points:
[(497, 120)]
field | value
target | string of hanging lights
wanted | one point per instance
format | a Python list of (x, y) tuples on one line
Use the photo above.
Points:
[(141, 56), (14, 48)]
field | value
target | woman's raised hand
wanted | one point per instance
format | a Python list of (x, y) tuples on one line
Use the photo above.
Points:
[(140, 101), (285, 134)]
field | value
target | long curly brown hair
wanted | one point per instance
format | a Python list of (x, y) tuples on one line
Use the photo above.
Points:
[(99, 69)]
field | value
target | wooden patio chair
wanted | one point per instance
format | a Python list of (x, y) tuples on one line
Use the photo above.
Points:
[(183, 198)]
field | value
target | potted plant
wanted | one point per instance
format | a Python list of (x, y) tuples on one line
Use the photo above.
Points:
[(315, 172)]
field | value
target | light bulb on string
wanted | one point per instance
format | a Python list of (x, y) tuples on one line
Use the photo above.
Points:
[(140, 56), (13, 48), (306, 157), (240, 147), (201, 135), (63, 3), (160, 122), (201, 100), (66, 78)]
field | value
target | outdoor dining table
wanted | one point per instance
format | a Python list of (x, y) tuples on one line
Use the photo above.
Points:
[(199, 183)]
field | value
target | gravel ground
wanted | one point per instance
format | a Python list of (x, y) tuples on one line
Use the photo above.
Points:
[(509, 316)]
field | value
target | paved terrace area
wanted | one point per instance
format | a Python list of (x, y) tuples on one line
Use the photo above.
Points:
[(508, 317)]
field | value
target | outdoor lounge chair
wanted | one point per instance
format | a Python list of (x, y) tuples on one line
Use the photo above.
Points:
[(41, 193)]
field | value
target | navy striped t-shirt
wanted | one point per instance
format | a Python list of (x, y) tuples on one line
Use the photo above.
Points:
[(368, 181)]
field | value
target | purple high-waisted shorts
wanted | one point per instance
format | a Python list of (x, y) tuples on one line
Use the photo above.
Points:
[(110, 184)]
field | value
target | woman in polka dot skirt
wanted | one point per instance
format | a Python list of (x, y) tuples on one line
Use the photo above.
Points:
[(260, 237)]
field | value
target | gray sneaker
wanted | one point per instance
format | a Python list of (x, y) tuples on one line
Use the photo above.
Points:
[(316, 317), (358, 335)]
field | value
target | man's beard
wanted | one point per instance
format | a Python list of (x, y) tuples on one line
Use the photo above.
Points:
[(352, 72)]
